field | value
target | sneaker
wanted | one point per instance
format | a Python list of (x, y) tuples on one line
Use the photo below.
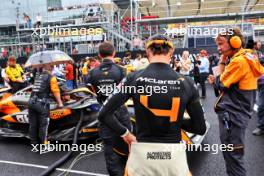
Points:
[(258, 132)]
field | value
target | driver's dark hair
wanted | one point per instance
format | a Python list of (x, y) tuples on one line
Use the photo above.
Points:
[(106, 49), (159, 49)]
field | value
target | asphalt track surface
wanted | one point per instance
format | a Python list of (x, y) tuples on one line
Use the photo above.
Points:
[(16, 158)]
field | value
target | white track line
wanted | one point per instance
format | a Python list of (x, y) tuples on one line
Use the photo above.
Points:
[(45, 167)]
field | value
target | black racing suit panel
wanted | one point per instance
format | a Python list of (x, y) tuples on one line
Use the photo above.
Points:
[(159, 114), (104, 78)]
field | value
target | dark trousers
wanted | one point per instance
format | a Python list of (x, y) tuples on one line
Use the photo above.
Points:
[(196, 79), (38, 114), (234, 159), (260, 113), (203, 78), (17, 86), (115, 164)]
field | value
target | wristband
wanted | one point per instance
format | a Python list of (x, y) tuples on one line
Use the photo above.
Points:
[(222, 63), (125, 134)]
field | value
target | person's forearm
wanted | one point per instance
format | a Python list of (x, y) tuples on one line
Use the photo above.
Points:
[(218, 85), (106, 115), (6, 79), (58, 98), (19, 81), (196, 124), (112, 123), (221, 68)]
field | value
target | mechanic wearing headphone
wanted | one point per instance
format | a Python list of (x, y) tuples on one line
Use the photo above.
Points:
[(103, 80), (239, 70)]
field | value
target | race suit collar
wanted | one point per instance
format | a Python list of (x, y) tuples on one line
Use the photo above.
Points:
[(107, 60), (159, 64)]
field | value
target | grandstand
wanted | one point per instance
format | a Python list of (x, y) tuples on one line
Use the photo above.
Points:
[(81, 25)]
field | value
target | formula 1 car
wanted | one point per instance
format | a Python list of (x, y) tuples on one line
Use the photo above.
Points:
[(14, 121), (4, 90)]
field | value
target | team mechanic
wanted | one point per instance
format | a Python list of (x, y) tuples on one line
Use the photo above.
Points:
[(39, 105), (237, 84), (103, 79), (159, 117)]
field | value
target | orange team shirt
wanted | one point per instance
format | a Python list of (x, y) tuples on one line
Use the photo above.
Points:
[(54, 85), (243, 69)]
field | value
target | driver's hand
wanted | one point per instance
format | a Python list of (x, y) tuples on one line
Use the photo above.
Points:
[(129, 138)]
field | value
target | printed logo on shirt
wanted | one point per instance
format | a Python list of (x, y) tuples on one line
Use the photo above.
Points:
[(157, 81)]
